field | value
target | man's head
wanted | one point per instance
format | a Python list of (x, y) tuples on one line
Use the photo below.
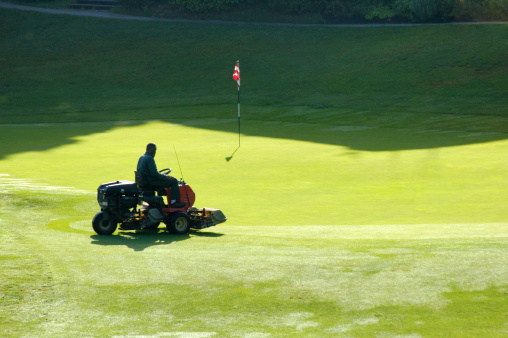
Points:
[(151, 148)]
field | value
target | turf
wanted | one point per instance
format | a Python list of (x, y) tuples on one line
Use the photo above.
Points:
[(279, 181), (326, 281), (355, 209), (90, 71), (390, 243)]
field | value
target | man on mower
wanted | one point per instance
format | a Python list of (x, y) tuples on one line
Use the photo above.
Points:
[(153, 179)]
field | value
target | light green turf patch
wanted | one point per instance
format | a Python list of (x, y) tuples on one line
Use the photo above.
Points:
[(347, 175)]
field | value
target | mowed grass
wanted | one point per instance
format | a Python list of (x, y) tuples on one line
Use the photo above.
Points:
[(248, 281), (355, 209), (275, 181), (395, 243)]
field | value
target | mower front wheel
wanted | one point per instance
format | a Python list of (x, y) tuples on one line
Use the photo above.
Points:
[(102, 225), (179, 224)]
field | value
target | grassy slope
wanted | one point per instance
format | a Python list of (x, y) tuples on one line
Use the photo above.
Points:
[(346, 192), (89, 71)]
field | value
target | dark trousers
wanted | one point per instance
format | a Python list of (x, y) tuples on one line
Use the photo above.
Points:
[(172, 183)]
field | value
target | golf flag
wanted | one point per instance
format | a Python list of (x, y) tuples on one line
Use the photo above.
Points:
[(236, 77), (236, 74)]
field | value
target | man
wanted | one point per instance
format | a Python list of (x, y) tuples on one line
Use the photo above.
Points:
[(154, 179)]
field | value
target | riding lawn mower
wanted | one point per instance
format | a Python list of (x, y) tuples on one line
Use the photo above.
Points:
[(135, 206)]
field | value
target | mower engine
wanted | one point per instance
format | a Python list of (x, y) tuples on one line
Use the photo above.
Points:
[(119, 198)]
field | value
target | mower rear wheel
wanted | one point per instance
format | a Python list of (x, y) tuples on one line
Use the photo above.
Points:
[(179, 224), (102, 225)]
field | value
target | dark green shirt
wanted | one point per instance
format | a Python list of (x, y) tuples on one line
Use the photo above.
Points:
[(147, 166)]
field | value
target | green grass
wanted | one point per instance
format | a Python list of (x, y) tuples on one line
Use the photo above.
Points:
[(89, 71), (323, 281), (396, 177), (367, 198), (321, 240)]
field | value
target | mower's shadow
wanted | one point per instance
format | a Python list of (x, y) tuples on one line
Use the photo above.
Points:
[(142, 239)]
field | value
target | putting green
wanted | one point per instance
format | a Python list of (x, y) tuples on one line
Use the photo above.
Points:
[(354, 175)]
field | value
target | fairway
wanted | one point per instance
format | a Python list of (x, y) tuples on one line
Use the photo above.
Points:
[(367, 197), (405, 280)]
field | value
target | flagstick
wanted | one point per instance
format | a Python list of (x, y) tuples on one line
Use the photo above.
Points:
[(238, 116)]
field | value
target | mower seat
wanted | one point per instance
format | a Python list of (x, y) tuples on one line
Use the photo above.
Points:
[(140, 179)]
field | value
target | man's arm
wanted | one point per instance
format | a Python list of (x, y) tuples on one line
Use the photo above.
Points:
[(152, 169)]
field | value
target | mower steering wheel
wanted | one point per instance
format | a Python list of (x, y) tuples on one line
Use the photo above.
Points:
[(165, 171)]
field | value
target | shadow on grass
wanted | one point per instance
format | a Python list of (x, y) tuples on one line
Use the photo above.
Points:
[(142, 239), (23, 138), (371, 85), (41, 137)]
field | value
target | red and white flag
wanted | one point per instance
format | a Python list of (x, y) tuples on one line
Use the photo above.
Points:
[(236, 74)]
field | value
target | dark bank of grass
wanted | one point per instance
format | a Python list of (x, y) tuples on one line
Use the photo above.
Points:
[(63, 68)]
